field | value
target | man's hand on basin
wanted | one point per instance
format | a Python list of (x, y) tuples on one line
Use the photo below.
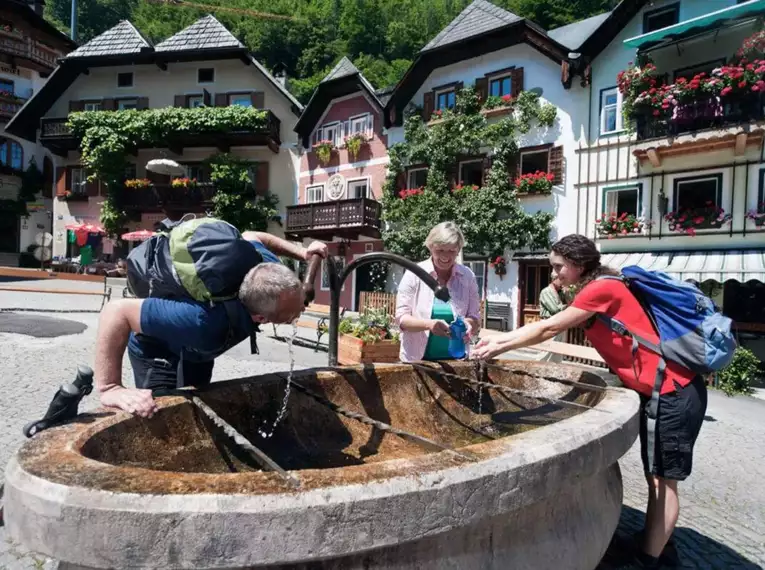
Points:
[(132, 400)]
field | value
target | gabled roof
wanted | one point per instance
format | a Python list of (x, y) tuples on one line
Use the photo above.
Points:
[(205, 33), (477, 19), (344, 79), (38, 22), (122, 39), (574, 35), (610, 27)]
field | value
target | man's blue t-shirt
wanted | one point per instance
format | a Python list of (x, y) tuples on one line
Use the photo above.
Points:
[(200, 330)]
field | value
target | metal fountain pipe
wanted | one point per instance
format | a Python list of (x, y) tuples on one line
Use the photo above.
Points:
[(336, 287)]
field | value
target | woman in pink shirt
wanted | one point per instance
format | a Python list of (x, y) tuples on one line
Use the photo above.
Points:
[(423, 319)]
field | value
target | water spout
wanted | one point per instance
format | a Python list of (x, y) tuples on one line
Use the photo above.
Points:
[(336, 287)]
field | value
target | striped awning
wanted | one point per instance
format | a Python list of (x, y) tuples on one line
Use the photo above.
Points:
[(699, 266)]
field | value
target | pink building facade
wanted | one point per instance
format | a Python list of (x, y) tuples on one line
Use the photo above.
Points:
[(339, 193)]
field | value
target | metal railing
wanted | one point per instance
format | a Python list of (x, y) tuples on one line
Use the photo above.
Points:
[(159, 196)]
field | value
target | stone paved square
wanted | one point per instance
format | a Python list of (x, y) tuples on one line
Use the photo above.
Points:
[(722, 519)]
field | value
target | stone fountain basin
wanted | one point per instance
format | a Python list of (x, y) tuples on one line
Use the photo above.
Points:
[(541, 488)]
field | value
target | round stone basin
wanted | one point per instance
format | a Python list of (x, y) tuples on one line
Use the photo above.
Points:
[(534, 485)]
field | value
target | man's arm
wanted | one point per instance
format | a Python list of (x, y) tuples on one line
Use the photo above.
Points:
[(283, 247), (117, 321)]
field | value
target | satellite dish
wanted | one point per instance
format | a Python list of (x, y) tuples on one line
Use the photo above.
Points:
[(44, 239), (537, 91)]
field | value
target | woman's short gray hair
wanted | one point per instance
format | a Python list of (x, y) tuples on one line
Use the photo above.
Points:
[(264, 288), (445, 233)]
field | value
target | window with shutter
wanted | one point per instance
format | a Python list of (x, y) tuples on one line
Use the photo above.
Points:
[(143, 103), (517, 86), (262, 178), (556, 164), (258, 99), (179, 101), (428, 105), (482, 88), (618, 201), (61, 181), (75, 106), (221, 99), (109, 104)]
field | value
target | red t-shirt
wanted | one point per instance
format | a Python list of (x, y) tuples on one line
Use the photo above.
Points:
[(613, 298)]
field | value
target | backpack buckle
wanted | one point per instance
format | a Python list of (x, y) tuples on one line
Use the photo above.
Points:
[(618, 327)]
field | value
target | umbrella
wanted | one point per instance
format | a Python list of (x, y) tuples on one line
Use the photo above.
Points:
[(165, 166), (140, 235), (86, 228)]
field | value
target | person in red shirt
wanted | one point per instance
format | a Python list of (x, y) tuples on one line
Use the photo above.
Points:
[(682, 404)]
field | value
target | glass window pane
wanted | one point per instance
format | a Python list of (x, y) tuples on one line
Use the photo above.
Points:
[(471, 173), (417, 178), (610, 99), (697, 194), (531, 285), (17, 156), (533, 161)]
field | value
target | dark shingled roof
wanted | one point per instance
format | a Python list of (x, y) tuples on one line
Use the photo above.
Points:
[(385, 93), (122, 39), (574, 35), (206, 33), (478, 18), (344, 68)]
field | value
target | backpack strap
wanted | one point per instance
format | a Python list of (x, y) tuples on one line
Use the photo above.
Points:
[(652, 407)]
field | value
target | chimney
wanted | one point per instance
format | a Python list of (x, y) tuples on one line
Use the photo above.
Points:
[(37, 6), (281, 77)]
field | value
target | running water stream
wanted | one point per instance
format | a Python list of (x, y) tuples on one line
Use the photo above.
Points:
[(285, 401)]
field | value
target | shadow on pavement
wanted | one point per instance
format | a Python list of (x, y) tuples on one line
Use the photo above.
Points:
[(695, 550)]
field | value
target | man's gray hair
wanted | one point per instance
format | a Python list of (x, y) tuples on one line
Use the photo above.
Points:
[(264, 287)]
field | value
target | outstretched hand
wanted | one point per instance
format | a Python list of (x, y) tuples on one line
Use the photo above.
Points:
[(132, 400), (487, 349)]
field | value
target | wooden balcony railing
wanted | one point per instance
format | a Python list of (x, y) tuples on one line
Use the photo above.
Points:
[(165, 197), (55, 128), (9, 105), (28, 48), (345, 218), (712, 113)]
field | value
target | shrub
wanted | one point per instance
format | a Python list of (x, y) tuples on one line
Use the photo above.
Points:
[(738, 376)]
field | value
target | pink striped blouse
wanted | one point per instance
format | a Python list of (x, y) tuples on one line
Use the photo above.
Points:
[(416, 299)]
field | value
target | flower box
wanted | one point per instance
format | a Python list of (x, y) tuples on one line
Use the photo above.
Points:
[(352, 350), (757, 216), (499, 265), (689, 221), (496, 112), (324, 150), (624, 225), (535, 183)]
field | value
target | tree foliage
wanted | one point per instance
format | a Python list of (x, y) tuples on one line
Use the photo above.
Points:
[(381, 36), (491, 217)]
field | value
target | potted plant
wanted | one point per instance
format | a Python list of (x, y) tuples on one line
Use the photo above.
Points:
[(354, 143), (464, 188), (499, 265), (184, 183), (496, 105), (324, 150), (408, 192), (370, 337), (689, 220), (137, 183), (535, 183), (758, 215), (612, 226)]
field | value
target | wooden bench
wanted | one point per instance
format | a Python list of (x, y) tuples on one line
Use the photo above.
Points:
[(38, 275), (321, 326)]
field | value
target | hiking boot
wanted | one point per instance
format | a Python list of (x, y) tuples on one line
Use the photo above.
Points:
[(669, 557)]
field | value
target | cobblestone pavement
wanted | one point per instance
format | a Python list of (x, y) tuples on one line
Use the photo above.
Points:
[(722, 519)]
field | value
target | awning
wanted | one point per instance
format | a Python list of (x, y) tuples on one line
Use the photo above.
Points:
[(713, 20), (699, 266)]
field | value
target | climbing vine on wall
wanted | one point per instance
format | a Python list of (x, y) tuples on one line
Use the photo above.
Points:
[(107, 137), (490, 216)]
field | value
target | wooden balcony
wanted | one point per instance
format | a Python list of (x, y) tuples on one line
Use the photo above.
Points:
[(347, 219), (56, 136), (165, 198), (9, 105), (25, 51)]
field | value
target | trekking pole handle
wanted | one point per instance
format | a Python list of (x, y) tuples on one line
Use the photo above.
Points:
[(310, 276)]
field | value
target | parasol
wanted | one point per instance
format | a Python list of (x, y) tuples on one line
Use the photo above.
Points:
[(140, 235), (165, 166), (87, 228)]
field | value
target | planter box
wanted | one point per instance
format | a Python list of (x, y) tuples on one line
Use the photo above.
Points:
[(352, 350), (496, 112)]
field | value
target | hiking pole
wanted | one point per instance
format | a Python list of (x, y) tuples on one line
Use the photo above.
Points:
[(65, 403), (259, 455), (505, 389), (423, 442)]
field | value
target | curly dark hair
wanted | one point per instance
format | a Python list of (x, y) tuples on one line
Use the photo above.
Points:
[(581, 251)]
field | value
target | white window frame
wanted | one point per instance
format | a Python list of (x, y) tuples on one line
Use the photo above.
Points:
[(132, 79), (351, 195), (324, 286), (617, 107), (500, 78), (464, 162), (437, 94), (205, 82), (474, 265), (198, 98), (237, 96), (327, 129), (92, 106), (409, 176), (313, 187), (366, 121), (121, 103), (608, 192), (539, 151), (678, 182), (81, 183)]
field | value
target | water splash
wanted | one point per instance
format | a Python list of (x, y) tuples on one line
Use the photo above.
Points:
[(283, 410)]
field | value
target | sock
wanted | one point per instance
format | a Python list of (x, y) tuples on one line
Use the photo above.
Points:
[(647, 560)]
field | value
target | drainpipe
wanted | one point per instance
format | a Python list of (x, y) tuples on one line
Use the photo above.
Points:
[(73, 22)]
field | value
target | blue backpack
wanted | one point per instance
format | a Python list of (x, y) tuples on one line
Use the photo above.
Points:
[(692, 331)]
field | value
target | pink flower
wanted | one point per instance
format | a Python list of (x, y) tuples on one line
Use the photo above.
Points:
[(726, 90), (742, 84), (656, 113)]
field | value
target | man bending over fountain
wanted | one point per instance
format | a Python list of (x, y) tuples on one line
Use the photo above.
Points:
[(683, 397), (174, 343)]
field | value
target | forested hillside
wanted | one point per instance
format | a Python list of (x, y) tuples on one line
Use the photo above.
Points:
[(382, 37)]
